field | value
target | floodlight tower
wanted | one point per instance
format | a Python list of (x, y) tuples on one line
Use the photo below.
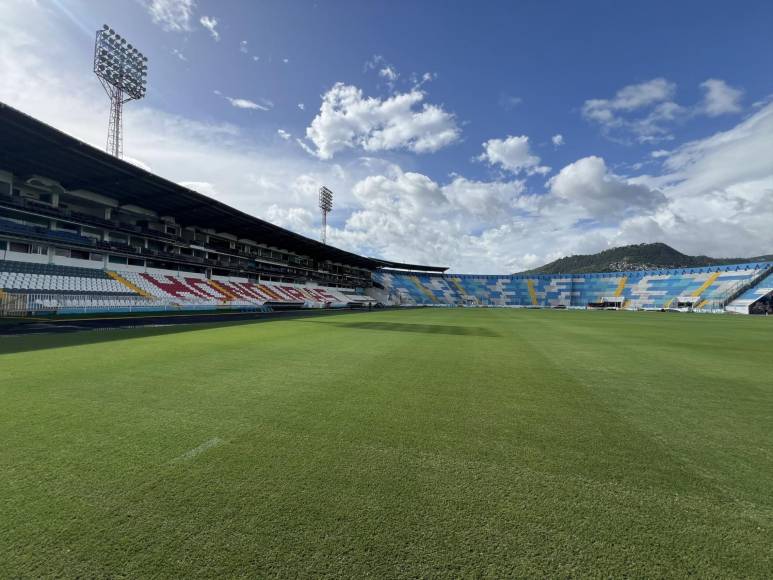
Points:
[(326, 206), (123, 71)]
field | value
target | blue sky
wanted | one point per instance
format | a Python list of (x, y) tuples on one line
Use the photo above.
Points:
[(484, 136)]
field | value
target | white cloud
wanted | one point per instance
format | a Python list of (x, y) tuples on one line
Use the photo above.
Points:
[(179, 55), (210, 23), (283, 134), (389, 73), (720, 98), (647, 110), (204, 187), (243, 47), (630, 98), (717, 190), (264, 105), (301, 106), (622, 113), (285, 60), (255, 58), (557, 140), (139, 163), (297, 219), (590, 185), (427, 77), (659, 153), (512, 154), (347, 120), (172, 15), (374, 63)]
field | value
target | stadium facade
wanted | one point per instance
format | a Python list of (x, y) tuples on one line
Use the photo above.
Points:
[(83, 231)]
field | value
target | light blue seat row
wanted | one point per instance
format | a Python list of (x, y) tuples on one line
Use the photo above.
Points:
[(704, 287)]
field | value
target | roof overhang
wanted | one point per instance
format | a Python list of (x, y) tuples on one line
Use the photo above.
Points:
[(30, 147)]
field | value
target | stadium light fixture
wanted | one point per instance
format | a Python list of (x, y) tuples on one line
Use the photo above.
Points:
[(123, 71), (326, 206)]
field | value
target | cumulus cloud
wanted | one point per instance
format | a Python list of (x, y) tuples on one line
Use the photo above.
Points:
[(589, 184), (348, 120), (297, 219), (171, 15), (720, 98), (717, 189), (283, 134), (557, 140), (512, 154), (210, 23)]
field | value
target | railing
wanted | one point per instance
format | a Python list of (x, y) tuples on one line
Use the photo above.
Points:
[(20, 305), (739, 288), (42, 303)]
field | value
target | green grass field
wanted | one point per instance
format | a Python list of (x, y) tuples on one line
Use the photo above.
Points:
[(460, 442)]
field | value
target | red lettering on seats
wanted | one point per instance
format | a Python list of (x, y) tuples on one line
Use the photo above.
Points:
[(274, 293), (210, 291), (173, 287), (326, 295), (293, 293), (243, 290)]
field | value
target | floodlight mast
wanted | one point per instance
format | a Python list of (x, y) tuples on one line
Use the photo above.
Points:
[(326, 206), (123, 71)]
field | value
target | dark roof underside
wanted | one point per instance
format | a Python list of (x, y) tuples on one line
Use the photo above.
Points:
[(30, 147)]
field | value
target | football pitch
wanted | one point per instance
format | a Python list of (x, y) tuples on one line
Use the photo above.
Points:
[(419, 443)]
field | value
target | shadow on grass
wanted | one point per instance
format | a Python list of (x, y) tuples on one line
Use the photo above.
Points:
[(64, 336), (41, 335), (421, 328)]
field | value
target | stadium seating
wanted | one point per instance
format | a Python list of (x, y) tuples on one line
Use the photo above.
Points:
[(752, 295), (91, 289), (707, 288), (736, 287), (16, 277), (193, 289), (39, 232)]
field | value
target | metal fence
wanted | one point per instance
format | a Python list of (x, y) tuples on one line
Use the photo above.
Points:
[(41, 303), (19, 305)]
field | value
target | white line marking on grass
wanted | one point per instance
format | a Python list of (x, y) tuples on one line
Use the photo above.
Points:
[(191, 453)]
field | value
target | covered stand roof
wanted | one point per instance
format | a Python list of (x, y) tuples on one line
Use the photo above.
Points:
[(30, 147)]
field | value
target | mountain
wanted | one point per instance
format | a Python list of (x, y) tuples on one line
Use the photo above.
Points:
[(635, 257)]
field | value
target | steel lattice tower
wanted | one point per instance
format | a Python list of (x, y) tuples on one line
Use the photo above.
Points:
[(326, 206), (122, 70)]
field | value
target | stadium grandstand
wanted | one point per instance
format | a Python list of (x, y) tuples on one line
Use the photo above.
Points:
[(84, 231)]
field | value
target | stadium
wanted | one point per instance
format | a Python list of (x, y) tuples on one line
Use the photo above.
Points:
[(85, 232), (192, 391)]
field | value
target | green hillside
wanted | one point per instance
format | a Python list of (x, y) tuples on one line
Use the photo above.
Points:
[(635, 257)]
